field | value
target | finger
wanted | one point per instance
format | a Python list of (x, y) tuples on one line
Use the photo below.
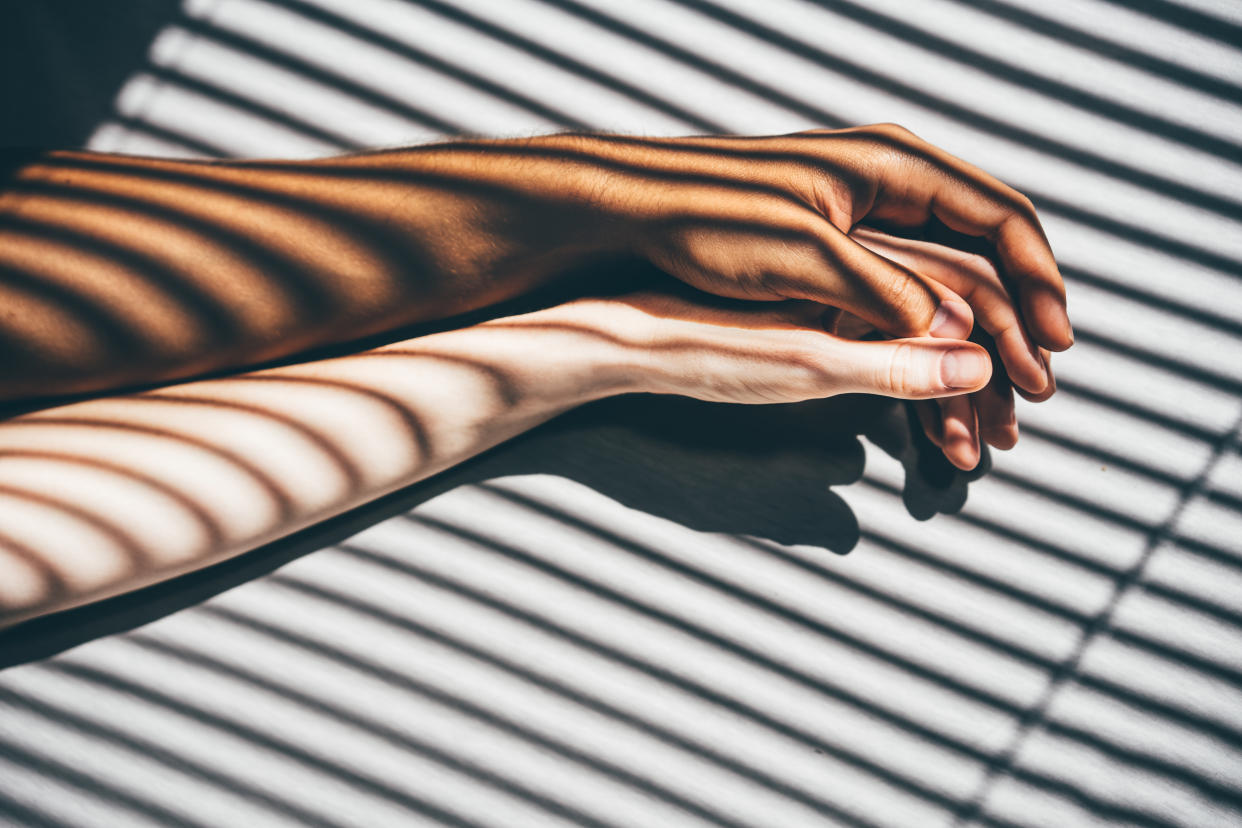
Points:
[(1048, 391), (922, 181), (959, 431), (891, 296), (910, 369), (998, 423), (774, 247), (928, 412), (975, 279)]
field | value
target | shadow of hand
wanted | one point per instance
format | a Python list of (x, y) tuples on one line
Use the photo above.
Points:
[(932, 484), (765, 471)]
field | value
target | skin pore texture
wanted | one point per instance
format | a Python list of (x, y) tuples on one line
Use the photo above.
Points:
[(799, 266)]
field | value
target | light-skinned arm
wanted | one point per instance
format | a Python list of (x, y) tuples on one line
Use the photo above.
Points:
[(107, 495)]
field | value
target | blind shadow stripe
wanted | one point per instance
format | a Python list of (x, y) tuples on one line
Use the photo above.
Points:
[(414, 54), (1111, 49), (749, 654), (1070, 671), (1225, 206), (1065, 555), (662, 673), (1130, 695), (357, 721), (27, 817), (1138, 640), (196, 145), (657, 671), (296, 753), (1183, 17), (404, 567), (93, 788), (568, 64), (325, 77), (1227, 557), (561, 689), (626, 776), (231, 784), (1209, 316), (177, 81), (1065, 93)]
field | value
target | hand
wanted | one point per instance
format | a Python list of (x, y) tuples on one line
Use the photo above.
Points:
[(769, 219), (152, 270), (958, 424), (728, 350)]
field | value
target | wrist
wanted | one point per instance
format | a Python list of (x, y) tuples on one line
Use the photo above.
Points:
[(556, 191), (532, 365), (572, 353)]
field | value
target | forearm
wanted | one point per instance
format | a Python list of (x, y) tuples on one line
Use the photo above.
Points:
[(108, 495), (117, 270)]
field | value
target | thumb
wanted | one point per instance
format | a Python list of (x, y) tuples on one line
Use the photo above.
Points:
[(911, 369)]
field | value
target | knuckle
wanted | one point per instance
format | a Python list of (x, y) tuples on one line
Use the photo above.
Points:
[(896, 291), (1020, 205), (884, 128), (1023, 205), (894, 132), (784, 211), (897, 373), (893, 149), (901, 299), (979, 267), (816, 232)]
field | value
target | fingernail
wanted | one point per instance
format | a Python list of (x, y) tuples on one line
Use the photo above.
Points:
[(953, 320), (963, 368)]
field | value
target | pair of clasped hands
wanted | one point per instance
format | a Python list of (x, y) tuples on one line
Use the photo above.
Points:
[(812, 274)]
